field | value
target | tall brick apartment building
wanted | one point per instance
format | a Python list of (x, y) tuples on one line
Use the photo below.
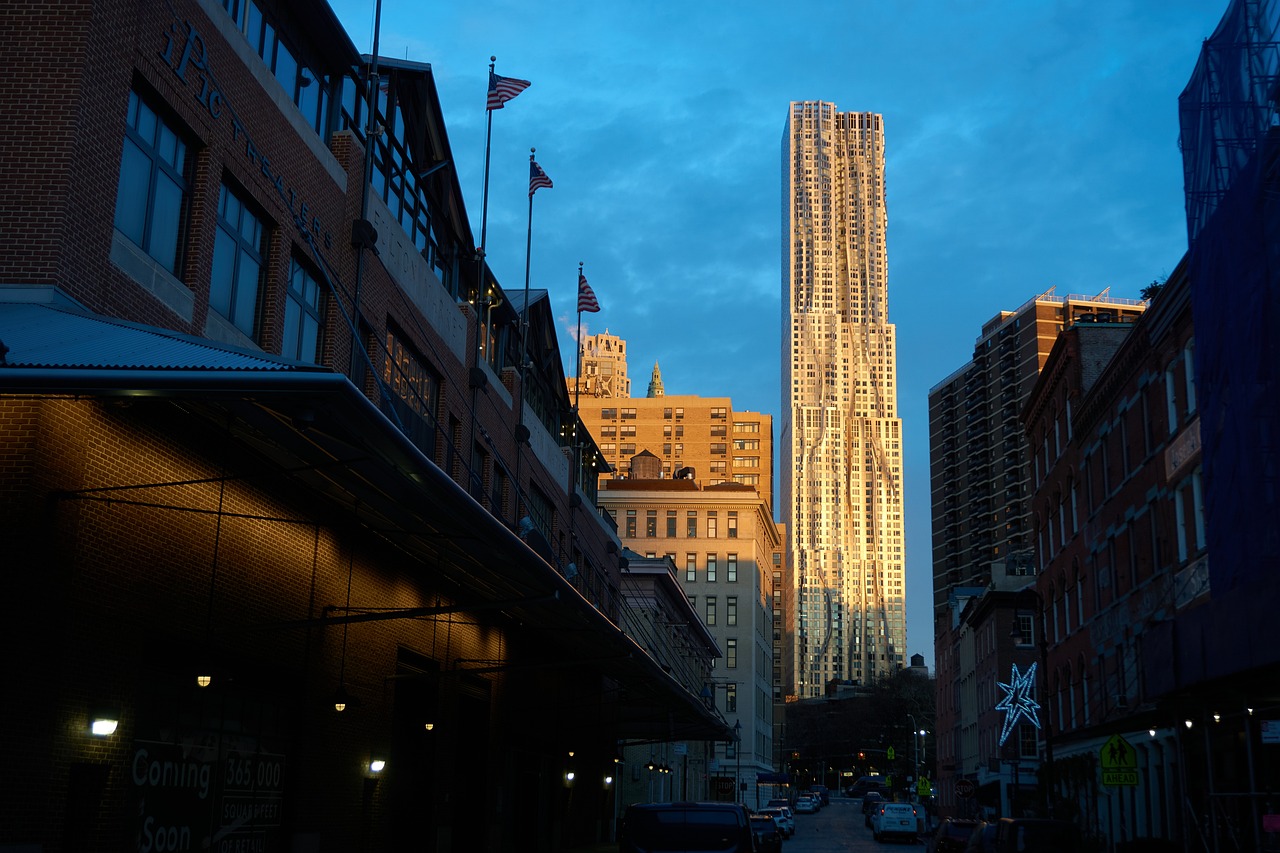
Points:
[(275, 497)]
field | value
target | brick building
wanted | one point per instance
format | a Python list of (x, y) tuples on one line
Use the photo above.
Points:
[(275, 495), (1114, 431)]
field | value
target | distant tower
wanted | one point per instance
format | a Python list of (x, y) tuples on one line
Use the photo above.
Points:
[(841, 438), (655, 382), (604, 367)]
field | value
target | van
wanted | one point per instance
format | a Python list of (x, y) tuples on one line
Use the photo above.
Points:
[(895, 820), (685, 828)]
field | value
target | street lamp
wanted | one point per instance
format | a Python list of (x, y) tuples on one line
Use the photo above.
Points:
[(916, 734), (737, 776), (1043, 642)]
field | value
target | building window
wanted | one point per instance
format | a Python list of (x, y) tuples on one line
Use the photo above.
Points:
[(151, 198), (608, 414), (731, 610), (651, 523), (303, 315), (628, 414), (731, 698), (631, 524), (239, 256), (731, 569), (711, 567), (711, 610), (1027, 746), (732, 532), (691, 524), (731, 653), (1189, 508), (416, 390), (671, 524), (1023, 626), (690, 567), (712, 524), (718, 413)]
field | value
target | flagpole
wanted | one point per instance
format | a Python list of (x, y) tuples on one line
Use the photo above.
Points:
[(577, 371), (484, 197), (524, 336), (528, 253)]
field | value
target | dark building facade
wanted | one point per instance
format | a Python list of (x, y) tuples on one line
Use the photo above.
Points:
[(277, 496), (1114, 431)]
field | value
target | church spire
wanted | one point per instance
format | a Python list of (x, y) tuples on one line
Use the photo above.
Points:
[(655, 382)]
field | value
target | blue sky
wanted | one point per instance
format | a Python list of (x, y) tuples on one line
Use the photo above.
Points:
[(1030, 144)]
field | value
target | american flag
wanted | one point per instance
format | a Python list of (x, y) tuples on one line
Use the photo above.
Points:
[(503, 89), (586, 296), (537, 178)]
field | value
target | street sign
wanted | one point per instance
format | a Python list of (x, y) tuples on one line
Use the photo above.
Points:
[(888, 753), (924, 787), (1271, 731), (1119, 762), (965, 788)]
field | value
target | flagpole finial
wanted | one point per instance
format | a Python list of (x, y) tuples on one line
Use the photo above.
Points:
[(493, 59)]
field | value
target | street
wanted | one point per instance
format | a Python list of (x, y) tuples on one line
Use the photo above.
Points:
[(838, 828)]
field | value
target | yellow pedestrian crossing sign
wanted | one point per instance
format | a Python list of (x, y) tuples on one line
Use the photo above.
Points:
[(924, 787), (1119, 762), (888, 753)]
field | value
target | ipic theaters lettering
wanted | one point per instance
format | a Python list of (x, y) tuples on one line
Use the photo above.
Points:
[(195, 55)]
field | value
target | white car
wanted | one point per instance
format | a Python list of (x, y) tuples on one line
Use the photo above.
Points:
[(899, 820), (783, 818), (806, 804)]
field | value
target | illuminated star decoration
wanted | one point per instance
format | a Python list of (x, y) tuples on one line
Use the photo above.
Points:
[(1017, 701)]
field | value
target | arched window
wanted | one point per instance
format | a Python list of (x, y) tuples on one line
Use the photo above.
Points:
[(1071, 698), (1084, 686), (1066, 604)]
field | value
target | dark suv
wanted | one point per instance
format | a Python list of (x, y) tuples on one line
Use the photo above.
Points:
[(686, 828), (1044, 836)]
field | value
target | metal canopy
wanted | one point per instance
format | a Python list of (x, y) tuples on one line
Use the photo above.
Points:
[(317, 431)]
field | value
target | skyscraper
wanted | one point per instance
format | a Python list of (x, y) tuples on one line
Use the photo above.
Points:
[(841, 435)]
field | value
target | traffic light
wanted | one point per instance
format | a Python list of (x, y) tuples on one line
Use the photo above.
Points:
[(862, 756)]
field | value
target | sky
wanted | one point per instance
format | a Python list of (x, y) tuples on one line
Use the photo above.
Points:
[(1030, 144)]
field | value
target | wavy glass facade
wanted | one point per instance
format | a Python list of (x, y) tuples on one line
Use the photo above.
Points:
[(841, 435)]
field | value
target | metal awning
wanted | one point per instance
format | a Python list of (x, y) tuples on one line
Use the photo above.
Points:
[(315, 429)]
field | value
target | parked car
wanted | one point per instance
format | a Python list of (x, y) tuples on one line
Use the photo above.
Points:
[(823, 793), (951, 835), (768, 836), (867, 783), (894, 820), (779, 801), (870, 802), (806, 804), (692, 827), (783, 817), (983, 839), (1015, 835)]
